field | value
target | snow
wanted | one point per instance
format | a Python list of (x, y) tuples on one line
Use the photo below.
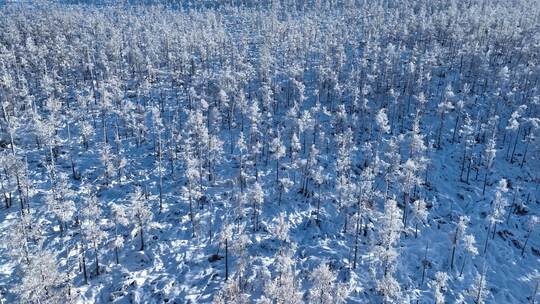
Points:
[(309, 142)]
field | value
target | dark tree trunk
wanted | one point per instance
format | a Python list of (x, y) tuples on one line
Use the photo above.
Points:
[(226, 260)]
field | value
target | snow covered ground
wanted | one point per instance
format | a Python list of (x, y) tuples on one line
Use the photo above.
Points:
[(280, 152)]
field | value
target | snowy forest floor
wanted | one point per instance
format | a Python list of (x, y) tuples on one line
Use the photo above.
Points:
[(177, 267)]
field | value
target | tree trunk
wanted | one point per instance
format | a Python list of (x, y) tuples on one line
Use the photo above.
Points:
[(514, 148), (485, 181), (405, 209), (487, 239), (525, 244), (463, 266), (357, 232), (455, 129), (479, 294), (525, 152), (454, 245), (439, 135), (277, 170), (318, 203), (142, 236), (160, 189), (424, 264), (85, 275), (226, 260), (463, 164), (97, 258), (191, 213)]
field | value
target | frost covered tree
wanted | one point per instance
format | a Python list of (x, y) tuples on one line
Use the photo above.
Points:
[(225, 237), (22, 235), (326, 288), (284, 185), (409, 178), (60, 201), (489, 156), (343, 169), (278, 151), (280, 230), (467, 133), (14, 169), (108, 162), (382, 121), (231, 292), (196, 141), (283, 287), (417, 146), (531, 225), (459, 112), (392, 164), (215, 156), (242, 149), (420, 214), (93, 226), (389, 288), (514, 127), (294, 152), (140, 214), (41, 281), (351, 102), (364, 194), (533, 124), (469, 245), (158, 129), (239, 248), (7, 182), (190, 192), (384, 253), (498, 207), (305, 124), (479, 291), (439, 286), (318, 177), (443, 108), (119, 218), (462, 223), (257, 195)]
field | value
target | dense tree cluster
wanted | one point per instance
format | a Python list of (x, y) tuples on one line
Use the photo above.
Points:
[(313, 151)]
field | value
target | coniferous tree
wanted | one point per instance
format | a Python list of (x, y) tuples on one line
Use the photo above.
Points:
[(420, 214), (462, 223), (278, 151), (469, 245), (443, 108), (384, 254), (41, 280), (283, 288), (325, 288), (479, 291), (498, 207), (120, 218), (92, 225), (489, 157), (140, 214), (351, 109), (533, 221), (225, 237), (439, 286)]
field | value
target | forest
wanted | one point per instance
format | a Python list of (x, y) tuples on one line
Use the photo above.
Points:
[(270, 152)]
